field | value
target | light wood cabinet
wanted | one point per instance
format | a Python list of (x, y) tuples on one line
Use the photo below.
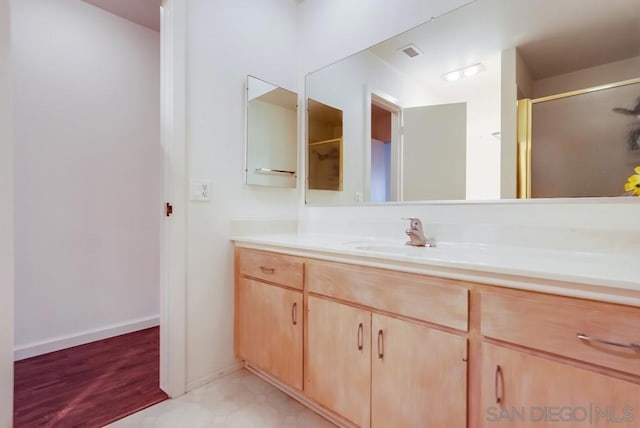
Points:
[(572, 328), (424, 298), (269, 314), (380, 371), (558, 362), (521, 390), (418, 376), (377, 348), (338, 360), (269, 329), (276, 268)]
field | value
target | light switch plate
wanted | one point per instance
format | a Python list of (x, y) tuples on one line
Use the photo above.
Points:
[(200, 189)]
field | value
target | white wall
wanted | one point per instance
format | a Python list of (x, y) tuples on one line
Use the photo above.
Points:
[(330, 30), (588, 77), (227, 40), (6, 224), (524, 80), (87, 99), (597, 225), (482, 95), (508, 124)]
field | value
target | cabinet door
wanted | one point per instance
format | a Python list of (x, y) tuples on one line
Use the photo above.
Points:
[(522, 390), (339, 358), (418, 376), (270, 329)]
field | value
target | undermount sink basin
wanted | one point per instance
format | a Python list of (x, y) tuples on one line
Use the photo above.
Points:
[(402, 249)]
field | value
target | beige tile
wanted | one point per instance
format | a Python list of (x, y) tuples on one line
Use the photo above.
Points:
[(239, 400)]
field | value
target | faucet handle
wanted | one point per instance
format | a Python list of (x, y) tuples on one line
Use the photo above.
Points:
[(415, 222)]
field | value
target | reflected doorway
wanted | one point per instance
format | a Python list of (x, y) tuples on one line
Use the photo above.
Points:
[(385, 147)]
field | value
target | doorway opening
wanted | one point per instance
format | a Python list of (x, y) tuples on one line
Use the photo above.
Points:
[(88, 285), (385, 147)]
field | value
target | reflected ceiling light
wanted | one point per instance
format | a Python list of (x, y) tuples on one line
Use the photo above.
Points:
[(453, 76), (473, 70), (469, 71)]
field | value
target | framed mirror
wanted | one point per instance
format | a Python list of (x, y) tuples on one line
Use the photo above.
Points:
[(271, 134), (432, 113)]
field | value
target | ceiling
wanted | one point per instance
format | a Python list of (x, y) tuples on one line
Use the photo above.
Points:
[(280, 97), (323, 113), (142, 12), (553, 37)]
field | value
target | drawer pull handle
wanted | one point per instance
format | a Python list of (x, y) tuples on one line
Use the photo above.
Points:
[(632, 346), (267, 269), (380, 344), (294, 313), (360, 336), (498, 378)]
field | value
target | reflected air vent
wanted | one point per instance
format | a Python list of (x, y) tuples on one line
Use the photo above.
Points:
[(411, 51)]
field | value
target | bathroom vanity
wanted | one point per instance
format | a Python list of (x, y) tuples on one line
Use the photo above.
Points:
[(538, 324), (375, 339)]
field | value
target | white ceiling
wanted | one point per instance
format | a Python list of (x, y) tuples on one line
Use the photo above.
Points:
[(553, 36), (142, 12), (280, 97)]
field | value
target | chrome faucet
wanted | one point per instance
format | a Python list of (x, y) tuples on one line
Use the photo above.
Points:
[(416, 234)]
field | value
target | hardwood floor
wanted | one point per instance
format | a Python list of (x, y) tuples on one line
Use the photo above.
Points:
[(89, 385)]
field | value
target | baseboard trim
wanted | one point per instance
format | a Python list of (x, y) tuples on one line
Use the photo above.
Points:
[(62, 342), (214, 376), (300, 397)]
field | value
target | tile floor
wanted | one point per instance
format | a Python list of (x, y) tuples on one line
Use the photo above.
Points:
[(239, 400)]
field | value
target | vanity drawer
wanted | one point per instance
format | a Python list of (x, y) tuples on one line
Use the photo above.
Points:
[(272, 267), (552, 324), (435, 300)]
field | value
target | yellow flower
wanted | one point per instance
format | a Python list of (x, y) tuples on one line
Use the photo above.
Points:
[(633, 185)]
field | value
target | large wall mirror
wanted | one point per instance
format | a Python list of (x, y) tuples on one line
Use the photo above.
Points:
[(271, 134), (498, 99)]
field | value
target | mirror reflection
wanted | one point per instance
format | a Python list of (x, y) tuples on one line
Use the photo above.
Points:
[(433, 112), (581, 125), (271, 143), (324, 164)]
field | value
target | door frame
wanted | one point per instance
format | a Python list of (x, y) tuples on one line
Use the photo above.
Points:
[(7, 220), (173, 233), (391, 104)]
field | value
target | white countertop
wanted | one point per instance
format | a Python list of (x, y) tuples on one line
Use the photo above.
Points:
[(599, 276)]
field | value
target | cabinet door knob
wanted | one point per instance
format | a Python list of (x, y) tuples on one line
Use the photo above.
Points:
[(498, 379), (585, 338), (294, 313), (360, 336), (380, 344)]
